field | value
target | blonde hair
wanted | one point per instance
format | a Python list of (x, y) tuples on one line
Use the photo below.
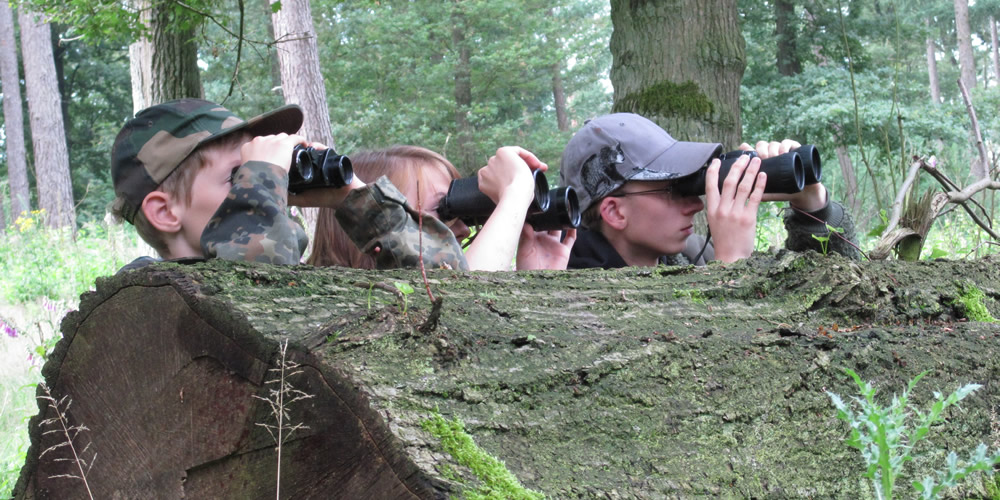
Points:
[(402, 165), (178, 186)]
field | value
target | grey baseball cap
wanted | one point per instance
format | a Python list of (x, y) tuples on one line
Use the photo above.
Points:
[(612, 149)]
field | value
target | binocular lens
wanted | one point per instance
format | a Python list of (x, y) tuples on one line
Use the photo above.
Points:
[(318, 168)]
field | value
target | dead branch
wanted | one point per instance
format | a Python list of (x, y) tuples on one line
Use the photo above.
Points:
[(984, 161), (964, 196), (897, 204)]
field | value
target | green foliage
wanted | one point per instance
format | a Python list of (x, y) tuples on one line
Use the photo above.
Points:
[(406, 290), (824, 241), (42, 262), (497, 481), (390, 72), (887, 435)]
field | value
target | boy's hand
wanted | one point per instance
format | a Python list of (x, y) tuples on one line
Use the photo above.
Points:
[(811, 198), (274, 149), (508, 173), (732, 214)]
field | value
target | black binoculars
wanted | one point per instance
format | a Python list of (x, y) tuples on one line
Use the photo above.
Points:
[(318, 168), (786, 173), (549, 210)]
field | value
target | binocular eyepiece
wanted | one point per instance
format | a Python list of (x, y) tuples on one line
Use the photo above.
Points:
[(786, 173), (318, 168), (549, 210)]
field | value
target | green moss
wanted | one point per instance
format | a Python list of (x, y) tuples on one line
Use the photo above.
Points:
[(975, 309), (694, 294), (668, 99), (497, 481)]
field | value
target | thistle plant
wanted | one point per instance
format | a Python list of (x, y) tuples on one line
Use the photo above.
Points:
[(887, 435), (59, 424), (280, 397)]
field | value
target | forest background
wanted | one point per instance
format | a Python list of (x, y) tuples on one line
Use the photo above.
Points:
[(872, 83)]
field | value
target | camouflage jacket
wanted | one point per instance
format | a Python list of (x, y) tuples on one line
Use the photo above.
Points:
[(593, 250), (252, 224), (382, 225)]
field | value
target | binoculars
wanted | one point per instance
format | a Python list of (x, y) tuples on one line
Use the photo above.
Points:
[(786, 173), (549, 210), (318, 168)]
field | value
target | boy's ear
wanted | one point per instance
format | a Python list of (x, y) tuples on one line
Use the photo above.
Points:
[(613, 213), (161, 212)]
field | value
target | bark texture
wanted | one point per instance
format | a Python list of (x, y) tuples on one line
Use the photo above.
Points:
[(966, 58), (932, 73), (48, 137), (786, 31), (13, 117), (680, 64), (465, 158), (633, 383), (164, 65), (301, 78)]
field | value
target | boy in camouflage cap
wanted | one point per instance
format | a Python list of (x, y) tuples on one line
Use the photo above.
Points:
[(198, 181)]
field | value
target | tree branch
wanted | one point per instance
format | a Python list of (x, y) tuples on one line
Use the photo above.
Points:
[(963, 197), (897, 204), (975, 128)]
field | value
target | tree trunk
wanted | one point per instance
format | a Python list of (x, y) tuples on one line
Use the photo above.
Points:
[(669, 382), (13, 117), (967, 61), (559, 98), (680, 64), (167, 60), (301, 79), (995, 50), (932, 73), (48, 137), (850, 180), (465, 160), (786, 29)]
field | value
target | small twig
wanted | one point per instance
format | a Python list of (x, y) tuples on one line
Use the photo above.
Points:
[(975, 128), (420, 243), (212, 18), (239, 54)]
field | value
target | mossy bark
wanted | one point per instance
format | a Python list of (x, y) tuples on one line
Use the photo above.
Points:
[(680, 64), (633, 383)]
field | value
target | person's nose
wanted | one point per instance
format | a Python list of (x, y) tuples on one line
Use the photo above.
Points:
[(691, 205), (460, 230)]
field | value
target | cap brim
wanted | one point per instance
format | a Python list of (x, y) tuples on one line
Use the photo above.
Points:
[(679, 160), (286, 119)]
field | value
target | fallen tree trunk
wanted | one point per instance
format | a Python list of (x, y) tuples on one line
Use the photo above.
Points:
[(634, 383)]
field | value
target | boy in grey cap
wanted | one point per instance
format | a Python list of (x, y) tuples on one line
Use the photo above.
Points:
[(198, 181), (623, 167)]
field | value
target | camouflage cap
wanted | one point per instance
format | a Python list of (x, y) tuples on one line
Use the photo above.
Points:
[(154, 143)]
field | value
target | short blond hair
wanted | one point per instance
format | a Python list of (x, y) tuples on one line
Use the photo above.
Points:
[(178, 185)]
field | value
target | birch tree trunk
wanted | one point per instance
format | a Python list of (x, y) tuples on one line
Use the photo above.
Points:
[(680, 64), (966, 58), (301, 78), (13, 117), (48, 137)]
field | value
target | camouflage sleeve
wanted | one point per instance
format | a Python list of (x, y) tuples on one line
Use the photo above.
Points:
[(252, 224), (382, 225), (802, 227)]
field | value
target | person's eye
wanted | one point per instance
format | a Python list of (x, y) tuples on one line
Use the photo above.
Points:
[(232, 175)]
